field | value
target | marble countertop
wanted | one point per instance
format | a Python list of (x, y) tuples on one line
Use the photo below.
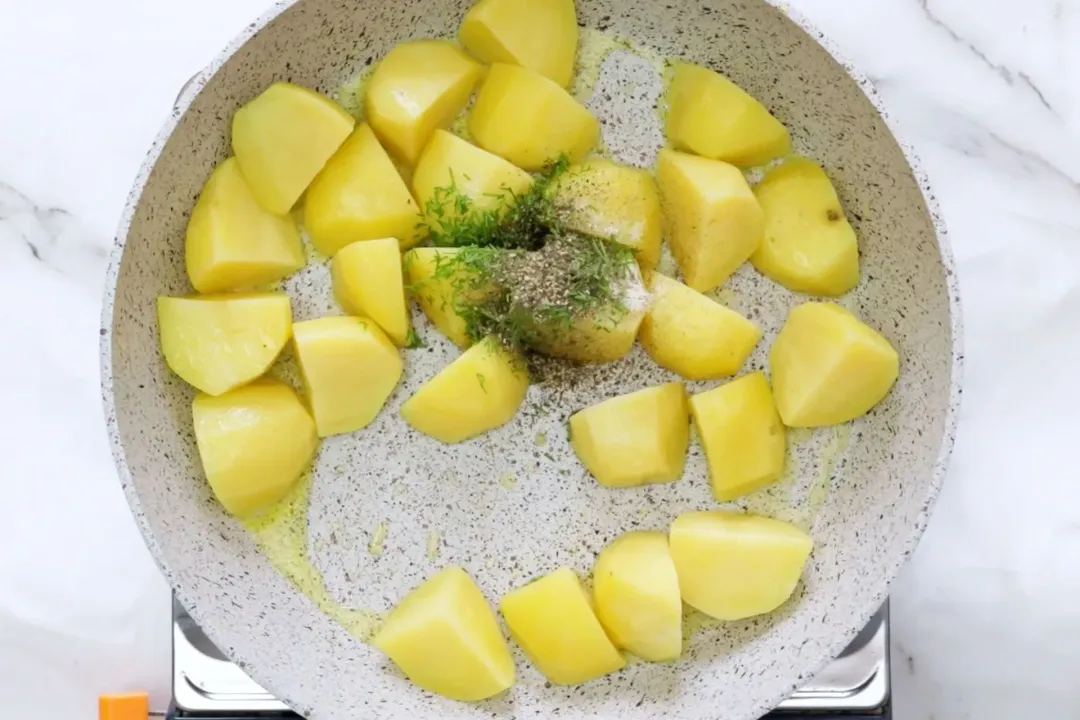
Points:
[(987, 622)]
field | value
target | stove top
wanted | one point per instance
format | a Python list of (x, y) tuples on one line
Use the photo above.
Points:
[(207, 685)]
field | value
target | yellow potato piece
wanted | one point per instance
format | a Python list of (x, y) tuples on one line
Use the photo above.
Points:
[(614, 202), (634, 439), (600, 337), (711, 116), (541, 35), (733, 566), (745, 443), (692, 335), (368, 281), (445, 638), (530, 120), (232, 242), (829, 367), (283, 138), (480, 391), (637, 596), (254, 443), (553, 622), (350, 369), (439, 287), (451, 168), (714, 222), (419, 86), (219, 342), (359, 195), (809, 245)]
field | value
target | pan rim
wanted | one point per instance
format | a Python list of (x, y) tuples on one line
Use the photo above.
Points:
[(952, 412)]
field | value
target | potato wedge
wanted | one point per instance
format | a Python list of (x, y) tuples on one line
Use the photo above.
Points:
[(359, 195), (254, 443), (829, 367), (809, 245), (600, 337), (634, 439), (480, 391), (733, 566), (714, 222), (541, 36), (350, 369), (439, 286), (445, 638), (637, 596), (692, 335), (711, 116), (530, 120), (419, 86), (745, 443), (553, 622), (368, 281), (283, 138), (232, 242), (613, 202), (451, 168), (219, 342)]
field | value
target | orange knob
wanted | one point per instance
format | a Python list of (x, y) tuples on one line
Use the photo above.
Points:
[(124, 706)]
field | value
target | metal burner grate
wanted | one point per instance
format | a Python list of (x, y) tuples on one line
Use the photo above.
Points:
[(207, 685)]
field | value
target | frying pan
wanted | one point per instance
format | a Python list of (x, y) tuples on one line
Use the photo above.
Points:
[(384, 508)]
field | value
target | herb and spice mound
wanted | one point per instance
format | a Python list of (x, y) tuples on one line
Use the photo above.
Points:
[(521, 274)]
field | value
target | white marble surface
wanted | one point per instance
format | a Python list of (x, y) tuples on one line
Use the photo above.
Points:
[(987, 622)]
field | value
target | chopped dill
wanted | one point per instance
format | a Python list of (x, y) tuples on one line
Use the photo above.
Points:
[(518, 272), (515, 222), (413, 340)]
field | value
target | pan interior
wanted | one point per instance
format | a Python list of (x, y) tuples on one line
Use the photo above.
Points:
[(386, 507)]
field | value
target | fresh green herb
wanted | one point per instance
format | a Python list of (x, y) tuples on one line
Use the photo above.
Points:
[(517, 222), (413, 340), (519, 273)]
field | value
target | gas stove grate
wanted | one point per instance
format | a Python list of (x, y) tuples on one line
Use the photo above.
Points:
[(207, 686)]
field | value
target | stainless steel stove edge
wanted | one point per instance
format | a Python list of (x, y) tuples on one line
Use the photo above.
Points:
[(206, 682)]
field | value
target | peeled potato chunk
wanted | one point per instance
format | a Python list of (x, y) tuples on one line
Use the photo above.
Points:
[(283, 138), (634, 439), (445, 638), (711, 116), (692, 335), (350, 369), (219, 342), (541, 35), (745, 443), (530, 120), (637, 596), (479, 391), (419, 86), (809, 245), (368, 281), (714, 222), (733, 566), (439, 285), (359, 195), (829, 367), (232, 242), (603, 336), (553, 622), (451, 168), (254, 443), (613, 202)]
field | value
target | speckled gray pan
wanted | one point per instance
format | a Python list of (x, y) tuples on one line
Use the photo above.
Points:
[(515, 503)]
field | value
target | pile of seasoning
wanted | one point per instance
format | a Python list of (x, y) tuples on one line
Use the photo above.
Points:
[(521, 274)]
